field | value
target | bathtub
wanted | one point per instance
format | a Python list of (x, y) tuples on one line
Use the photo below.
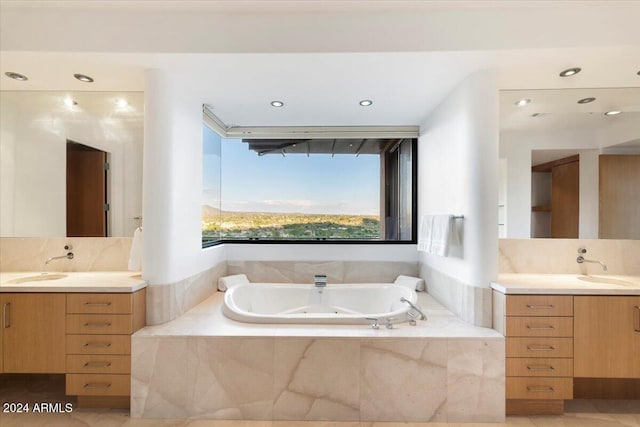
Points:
[(335, 304)]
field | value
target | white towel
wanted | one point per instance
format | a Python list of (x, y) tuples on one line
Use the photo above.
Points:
[(413, 283), (135, 256), (229, 282), (436, 234)]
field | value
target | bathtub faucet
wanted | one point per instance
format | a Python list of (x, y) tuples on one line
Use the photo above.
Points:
[(320, 281), (413, 306)]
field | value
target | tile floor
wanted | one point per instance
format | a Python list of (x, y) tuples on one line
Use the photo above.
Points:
[(579, 413)]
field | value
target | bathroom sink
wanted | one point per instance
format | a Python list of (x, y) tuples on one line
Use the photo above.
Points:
[(38, 278), (605, 280)]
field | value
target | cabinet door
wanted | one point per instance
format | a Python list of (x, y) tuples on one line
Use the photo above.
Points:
[(33, 333), (606, 337)]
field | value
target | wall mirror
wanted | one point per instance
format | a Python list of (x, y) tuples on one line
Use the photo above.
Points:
[(570, 163), (71, 163)]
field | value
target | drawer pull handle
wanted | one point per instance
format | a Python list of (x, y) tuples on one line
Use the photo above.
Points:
[(97, 325), (540, 307), (637, 307), (97, 385), (6, 314), (97, 364), (97, 304), (98, 344), (533, 328), (547, 389), (540, 347), (540, 368)]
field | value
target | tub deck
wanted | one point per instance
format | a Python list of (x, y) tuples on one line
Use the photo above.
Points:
[(204, 365)]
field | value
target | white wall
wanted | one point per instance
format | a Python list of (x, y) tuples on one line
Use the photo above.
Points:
[(458, 174), (35, 130)]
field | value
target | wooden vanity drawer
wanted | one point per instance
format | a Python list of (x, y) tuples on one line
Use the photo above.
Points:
[(98, 385), (539, 388), (539, 305), (100, 303), (539, 367), (538, 326), (98, 344), (539, 347), (99, 324), (98, 364)]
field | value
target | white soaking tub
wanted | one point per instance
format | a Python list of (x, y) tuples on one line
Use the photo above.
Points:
[(336, 304)]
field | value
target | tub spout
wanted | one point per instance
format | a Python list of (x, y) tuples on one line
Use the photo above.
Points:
[(320, 281), (413, 306)]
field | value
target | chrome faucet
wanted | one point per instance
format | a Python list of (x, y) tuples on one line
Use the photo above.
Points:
[(582, 259), (69, 255), (320, 281), (422, 316)]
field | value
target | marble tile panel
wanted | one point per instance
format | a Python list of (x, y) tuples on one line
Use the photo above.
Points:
[(160, 377), (317, 379), (90, 253), (377, 272), (304, 271), (403, 380), (232, 378), (264, 271), (475, 381)]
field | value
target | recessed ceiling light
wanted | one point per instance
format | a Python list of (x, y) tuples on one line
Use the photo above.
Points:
[(366, 102), (613, 113), (122, 103), (570, 72), (69, 102), (83, 78), (522, 102), (16, 76), (586, 100), (277, 103)]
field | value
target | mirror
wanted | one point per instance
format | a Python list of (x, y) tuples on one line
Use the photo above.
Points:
[(568, 169), (71, 163)]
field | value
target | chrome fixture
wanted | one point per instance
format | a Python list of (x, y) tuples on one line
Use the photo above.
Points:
[(83, 78), (581, 259), (365, 102), (586, 100), (413, 306), (613, 113), (69, 254), (320, 281), (277, 104), (522, 102), (16, 76), (389, 325), (375, 324), (570, 72)]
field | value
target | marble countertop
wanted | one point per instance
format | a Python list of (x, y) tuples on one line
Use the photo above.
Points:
[(207, 319), (93, 281), (567, 284)]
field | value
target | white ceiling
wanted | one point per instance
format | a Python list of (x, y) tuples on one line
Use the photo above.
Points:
[(320, 58)]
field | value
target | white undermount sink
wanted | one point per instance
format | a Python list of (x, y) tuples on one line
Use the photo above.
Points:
[(605, 280), (38, 278)]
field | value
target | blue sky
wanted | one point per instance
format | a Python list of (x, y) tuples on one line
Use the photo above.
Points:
[(343, 184)]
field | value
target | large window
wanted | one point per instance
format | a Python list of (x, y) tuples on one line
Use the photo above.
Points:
[(308, 190)]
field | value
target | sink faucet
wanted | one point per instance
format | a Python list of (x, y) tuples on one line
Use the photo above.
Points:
[(582, 259), (69, 255), (413, 306), (320, 281)]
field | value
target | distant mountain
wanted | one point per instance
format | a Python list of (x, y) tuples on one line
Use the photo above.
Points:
[(210, 212)]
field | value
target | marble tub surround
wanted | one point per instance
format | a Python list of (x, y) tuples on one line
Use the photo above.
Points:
[(90, 253), (336, 271), (471, 303), (166, 302), (567, 284), (95, 281), (232, 370), (559, 256)]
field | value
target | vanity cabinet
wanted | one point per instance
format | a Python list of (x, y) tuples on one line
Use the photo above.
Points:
[(607, 336), (33, 333)]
